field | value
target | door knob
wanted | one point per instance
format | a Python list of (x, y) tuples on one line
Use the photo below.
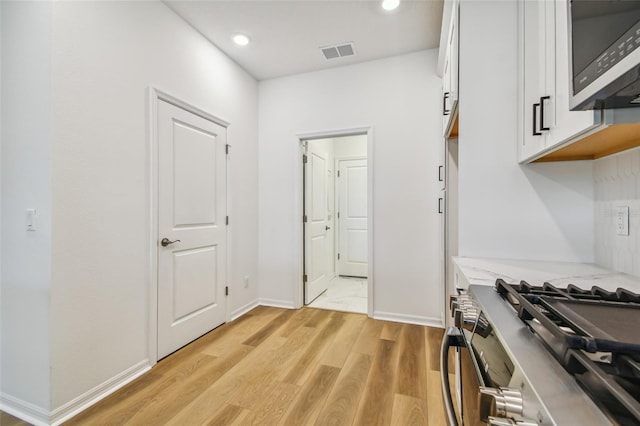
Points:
[(326, 228), (165, 242)]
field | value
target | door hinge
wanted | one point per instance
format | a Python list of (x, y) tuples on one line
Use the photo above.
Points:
[(226, 291), (304, 278), (305, 158), (338, 256), (304, 218), (227, 220), (338, 215), (338, 173), (226, 149)]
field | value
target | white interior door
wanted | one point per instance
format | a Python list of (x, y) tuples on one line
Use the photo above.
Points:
[(352, 218), (317, 264), (192, 219)]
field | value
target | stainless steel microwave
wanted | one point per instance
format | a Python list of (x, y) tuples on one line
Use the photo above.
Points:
[(604, 41)]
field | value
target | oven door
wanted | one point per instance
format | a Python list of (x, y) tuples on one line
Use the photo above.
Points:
[(467, 379), (484, 368), (470, 384)]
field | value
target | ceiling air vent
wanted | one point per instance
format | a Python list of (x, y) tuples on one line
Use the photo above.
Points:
[(338, 51)]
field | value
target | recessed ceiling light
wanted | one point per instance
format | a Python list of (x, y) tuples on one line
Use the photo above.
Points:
[(241, 39), (390, 4)]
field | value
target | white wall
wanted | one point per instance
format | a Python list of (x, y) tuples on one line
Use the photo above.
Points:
[(350, 146), (106, 55), (539, 211), (26, 183), (617, 181), (89, 178), (400, 98)]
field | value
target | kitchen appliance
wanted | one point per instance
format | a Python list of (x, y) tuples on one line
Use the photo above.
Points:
[(530, 355), (604, 63)]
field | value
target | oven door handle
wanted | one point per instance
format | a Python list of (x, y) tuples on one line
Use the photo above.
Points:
[(452, 338)]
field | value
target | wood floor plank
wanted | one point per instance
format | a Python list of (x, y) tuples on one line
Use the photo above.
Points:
[(318, 317), (391, 330), (409, 411), (297, 320), (166, 404), (120, 406), (123, 405), (211, 399), (246, 377), (7, 419), (269, 329), (412, 377), (227, 415), (306, 406), (434, 340), (435, 402), (368, 339), (377, 402), (270, 410), (341, 347), (299, 372), (240, 330), (342, 404), (307, 366)]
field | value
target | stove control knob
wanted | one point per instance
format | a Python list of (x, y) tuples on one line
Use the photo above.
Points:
[(500, 402), (465, 317), (496, 421), (464, 311)]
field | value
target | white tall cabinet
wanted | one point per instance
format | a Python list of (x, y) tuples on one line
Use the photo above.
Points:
[(449, 45)]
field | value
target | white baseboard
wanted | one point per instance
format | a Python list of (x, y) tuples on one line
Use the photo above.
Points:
[(287, 304), (24, 410), (99, 392), (409, 319), (243, 309)]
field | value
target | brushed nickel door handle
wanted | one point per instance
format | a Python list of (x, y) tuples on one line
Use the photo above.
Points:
[(165, 242)]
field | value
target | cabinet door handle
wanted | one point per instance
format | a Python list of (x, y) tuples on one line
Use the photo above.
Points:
[(535, 119), (440, 205), (440, 168), (445, 111), (542, 99)]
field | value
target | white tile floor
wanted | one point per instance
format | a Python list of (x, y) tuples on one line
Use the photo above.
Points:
[(344, 294)]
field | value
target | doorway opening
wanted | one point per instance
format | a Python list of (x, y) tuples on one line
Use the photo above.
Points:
[(336, 222)]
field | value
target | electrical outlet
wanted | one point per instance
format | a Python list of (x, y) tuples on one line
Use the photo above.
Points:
[(246, 281), (621, 216)]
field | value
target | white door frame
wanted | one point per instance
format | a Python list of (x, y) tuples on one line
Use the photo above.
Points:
[(154, 96), (299, 212)]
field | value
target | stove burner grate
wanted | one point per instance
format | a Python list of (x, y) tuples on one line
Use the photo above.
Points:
[(573, 323)]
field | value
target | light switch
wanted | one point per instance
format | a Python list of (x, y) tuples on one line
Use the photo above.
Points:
[(621, 216), (31, 219)]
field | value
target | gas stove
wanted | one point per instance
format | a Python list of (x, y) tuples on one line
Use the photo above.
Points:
[(542, 355), (593, 334)]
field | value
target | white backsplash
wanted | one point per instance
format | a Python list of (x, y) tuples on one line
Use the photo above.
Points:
[(617, 183)]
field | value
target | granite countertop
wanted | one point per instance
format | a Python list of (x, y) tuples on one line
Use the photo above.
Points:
[(485, 271)]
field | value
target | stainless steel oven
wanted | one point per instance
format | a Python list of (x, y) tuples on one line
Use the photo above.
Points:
[(504, 374)]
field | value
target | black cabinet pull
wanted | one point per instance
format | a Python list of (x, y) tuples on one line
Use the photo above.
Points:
[(535, 119), (445, 111), (440, 205), (440, 168), (542, 99)]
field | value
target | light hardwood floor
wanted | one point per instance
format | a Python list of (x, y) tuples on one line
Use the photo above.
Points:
[(288, 367)]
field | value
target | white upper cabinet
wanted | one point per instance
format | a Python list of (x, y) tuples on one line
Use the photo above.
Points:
[(449, 67), (546, 122)]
